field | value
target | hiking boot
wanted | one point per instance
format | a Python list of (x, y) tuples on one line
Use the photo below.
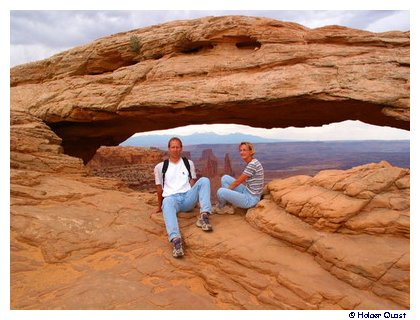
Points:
[(204, 222), (177, 251), (224, 210)]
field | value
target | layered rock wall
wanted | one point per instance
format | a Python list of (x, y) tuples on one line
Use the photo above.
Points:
[(133, 165), (355, 223), (228, 166), (209, 163)]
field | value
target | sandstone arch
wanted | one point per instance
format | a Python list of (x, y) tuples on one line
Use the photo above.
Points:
[(243, 70)]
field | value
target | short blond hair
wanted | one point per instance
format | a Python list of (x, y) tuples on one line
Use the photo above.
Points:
[(249, 145)]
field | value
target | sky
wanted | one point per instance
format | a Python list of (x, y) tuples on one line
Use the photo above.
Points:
[(36, 35)]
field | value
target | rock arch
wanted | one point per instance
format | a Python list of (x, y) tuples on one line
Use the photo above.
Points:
[(234, 69)]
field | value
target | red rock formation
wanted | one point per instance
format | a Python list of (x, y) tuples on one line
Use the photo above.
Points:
[(186, 154), (208, 164), (228, 166), (115, 156), (342, 218), (133, 165)]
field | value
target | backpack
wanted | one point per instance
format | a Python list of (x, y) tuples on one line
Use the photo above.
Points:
[(166, 165)]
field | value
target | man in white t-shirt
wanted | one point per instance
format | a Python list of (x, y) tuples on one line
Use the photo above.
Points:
[(178, 190)]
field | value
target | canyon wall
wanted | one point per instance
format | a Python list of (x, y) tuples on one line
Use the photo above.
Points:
[(133, 165)]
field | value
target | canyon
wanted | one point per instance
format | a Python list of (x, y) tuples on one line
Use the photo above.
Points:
[(135, 165), (338, 239)]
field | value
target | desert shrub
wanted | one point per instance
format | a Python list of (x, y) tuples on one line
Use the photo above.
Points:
[(135, 44)]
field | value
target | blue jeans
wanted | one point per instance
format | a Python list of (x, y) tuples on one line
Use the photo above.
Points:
[(186, 201), (240, 197)]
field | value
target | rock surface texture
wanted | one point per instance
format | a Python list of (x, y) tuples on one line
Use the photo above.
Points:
[(338, 240), (133, 165)]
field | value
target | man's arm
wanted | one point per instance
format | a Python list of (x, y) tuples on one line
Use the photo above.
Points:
[(159, 192), (193, 179)]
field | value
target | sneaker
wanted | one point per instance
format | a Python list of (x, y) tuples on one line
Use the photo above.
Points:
[(204, 222), (177, 251), (224, 210)]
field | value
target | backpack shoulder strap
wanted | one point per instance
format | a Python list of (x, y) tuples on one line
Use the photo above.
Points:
[(164, 169), (187, 165)]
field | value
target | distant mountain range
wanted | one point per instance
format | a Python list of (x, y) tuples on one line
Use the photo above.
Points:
[(160, 141)]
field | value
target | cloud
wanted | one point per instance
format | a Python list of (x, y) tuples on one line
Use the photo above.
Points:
[(64, 28), (32, 52), (399, 20), (346, 130)]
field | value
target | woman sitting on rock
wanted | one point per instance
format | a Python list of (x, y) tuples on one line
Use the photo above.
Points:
[(233, 190)]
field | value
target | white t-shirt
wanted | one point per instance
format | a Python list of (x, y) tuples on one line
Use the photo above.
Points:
[(176, 177)]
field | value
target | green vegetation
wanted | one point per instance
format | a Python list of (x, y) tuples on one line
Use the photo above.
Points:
[(135, 44)]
